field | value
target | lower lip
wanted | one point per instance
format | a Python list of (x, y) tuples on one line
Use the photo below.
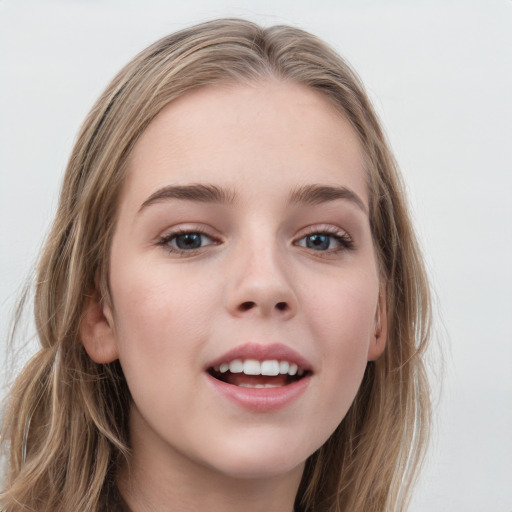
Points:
[(261, 399)]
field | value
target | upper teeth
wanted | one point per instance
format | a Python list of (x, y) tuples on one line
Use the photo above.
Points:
[(269, 367)]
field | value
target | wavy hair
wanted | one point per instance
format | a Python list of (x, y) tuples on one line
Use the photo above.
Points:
[(65, 423)]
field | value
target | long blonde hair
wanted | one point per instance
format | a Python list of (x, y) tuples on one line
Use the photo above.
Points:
[(66, 420)]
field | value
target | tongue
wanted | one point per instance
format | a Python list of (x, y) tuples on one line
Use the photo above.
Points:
[(240, 378)]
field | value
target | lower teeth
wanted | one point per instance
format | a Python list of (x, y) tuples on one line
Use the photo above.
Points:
[(259, 386)]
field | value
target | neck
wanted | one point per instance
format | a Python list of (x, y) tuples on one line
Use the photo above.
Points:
[(159, 479)]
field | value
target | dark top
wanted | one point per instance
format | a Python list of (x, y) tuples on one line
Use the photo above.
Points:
[(113, 501)]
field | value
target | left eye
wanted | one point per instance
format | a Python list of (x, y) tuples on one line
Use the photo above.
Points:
[(187, 241), (322, 241)]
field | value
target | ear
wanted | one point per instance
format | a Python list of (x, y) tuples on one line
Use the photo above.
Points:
[(97, 330), (379, 338)]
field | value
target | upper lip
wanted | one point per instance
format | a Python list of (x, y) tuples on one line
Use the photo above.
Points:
[(262, 352)]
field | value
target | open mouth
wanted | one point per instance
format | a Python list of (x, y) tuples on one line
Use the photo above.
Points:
[(251, 373)]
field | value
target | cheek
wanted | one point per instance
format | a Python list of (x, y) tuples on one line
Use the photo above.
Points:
[(156, 311), (162, 325), (345, 310), (343, 322)]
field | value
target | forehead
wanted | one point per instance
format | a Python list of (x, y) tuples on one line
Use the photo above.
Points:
[(257, 137)]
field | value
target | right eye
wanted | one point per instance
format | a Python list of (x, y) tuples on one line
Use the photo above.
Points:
[(186, 241)]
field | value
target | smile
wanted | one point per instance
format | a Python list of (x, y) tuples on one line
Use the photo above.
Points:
[(261, 378), (251, 373)]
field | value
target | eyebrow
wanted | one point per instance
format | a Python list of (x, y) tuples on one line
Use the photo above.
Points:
[(196, 192), (205, 193), (318, 194)]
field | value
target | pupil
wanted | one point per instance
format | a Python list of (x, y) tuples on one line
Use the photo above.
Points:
[(318, 242), (188, 241)]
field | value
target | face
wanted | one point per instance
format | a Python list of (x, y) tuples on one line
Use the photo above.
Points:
[(244, 282)]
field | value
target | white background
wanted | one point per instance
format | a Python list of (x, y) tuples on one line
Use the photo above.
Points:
[(440, 75)]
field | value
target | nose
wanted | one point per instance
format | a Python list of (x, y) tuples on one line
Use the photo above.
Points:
[(260, 284)]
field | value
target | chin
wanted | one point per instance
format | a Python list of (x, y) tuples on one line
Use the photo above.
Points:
[(263, 461), (260, 470)]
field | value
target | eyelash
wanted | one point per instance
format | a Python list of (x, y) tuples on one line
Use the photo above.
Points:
[(345, 241), (166, 240), (342, 238)]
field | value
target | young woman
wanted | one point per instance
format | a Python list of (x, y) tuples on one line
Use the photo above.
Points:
[(231, 303)]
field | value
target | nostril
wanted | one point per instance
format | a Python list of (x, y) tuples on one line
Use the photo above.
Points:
[(245, 306), (248, 305), (281, 306)]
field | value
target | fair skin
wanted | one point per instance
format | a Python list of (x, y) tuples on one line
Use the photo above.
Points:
[(278, 266)]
